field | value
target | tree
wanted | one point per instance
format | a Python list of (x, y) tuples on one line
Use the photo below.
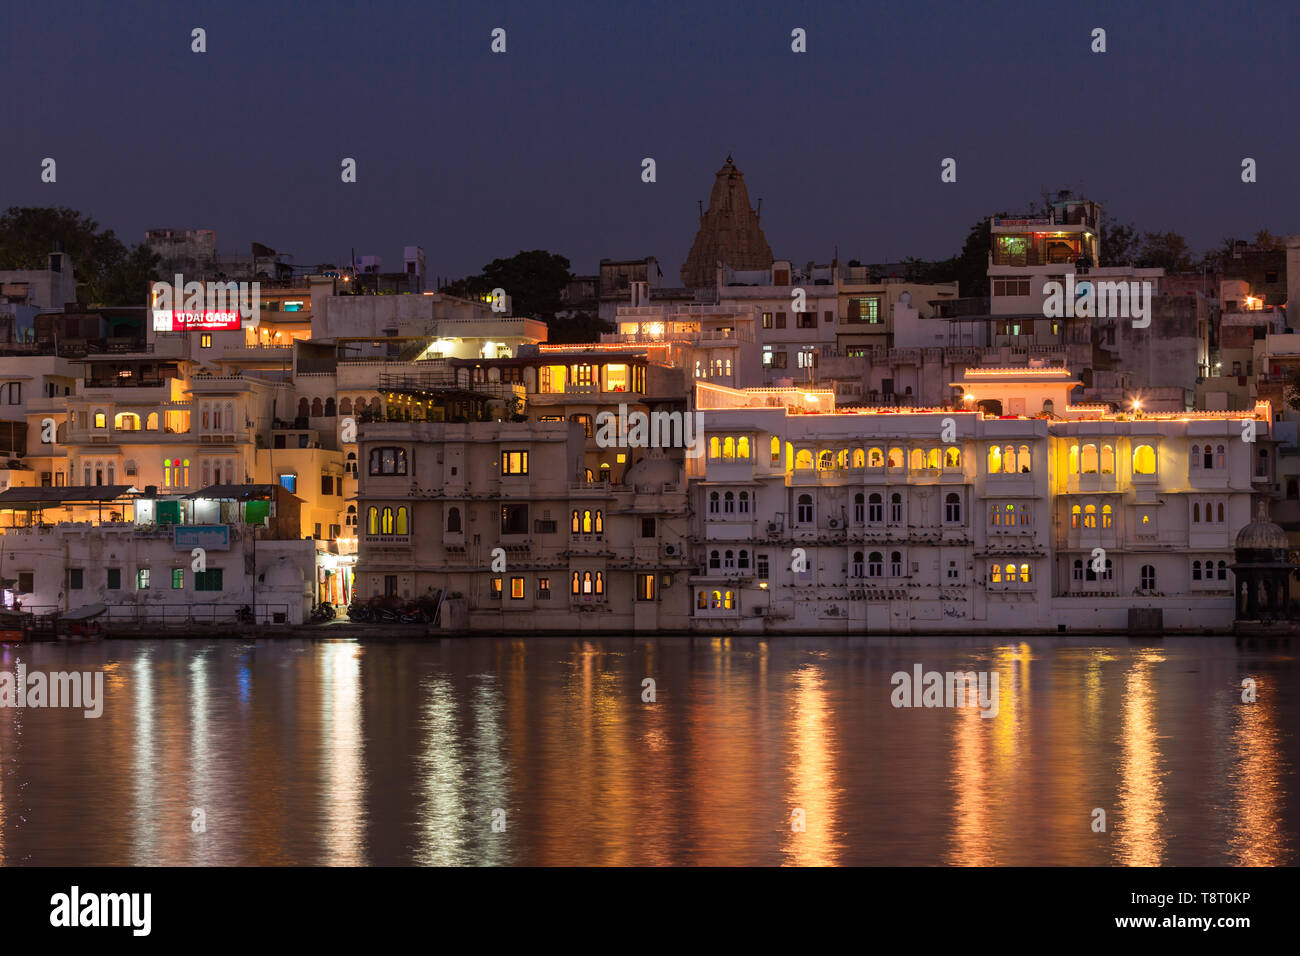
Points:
[(1292, 393), (1167, 251), (583, 327), (1266, 241), (106, 271), (534, 281), (1119, 244)]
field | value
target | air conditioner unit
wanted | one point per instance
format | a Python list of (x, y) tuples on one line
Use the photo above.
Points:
[(760, 611), (671, 550), (833, 523), (772, 527)]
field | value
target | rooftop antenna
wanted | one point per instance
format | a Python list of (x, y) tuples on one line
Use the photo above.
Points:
[(758, 213)]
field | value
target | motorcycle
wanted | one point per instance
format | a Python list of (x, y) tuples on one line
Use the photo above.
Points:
[(360, 614), (322, 612)]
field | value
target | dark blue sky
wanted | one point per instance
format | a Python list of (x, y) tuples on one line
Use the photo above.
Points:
[(474, 155)]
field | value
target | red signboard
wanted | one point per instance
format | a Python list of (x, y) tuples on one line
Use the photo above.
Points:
[(208, 321)]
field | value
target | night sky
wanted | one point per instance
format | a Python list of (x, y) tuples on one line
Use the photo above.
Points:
[(475, 155)]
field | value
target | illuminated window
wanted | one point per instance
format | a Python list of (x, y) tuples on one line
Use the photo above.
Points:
[(742, 448), (715, 448), (386, 521), (775, 447), (952, 458), (875, 458), (826, 461), (1074, 459), (372, 520), (995, 574), (645, 587), (995, 460), (1011, 574), (205, 340), (1075, 515), (388, 461), (1088, 460), (1090, 516), (1107, 460), (517, 588), (101, 420), (728, 447), (1144, 460), (513, 462), (803, 459), (932, 458), (401, 523), (895, 458), (1024, 573), (1107, 516)]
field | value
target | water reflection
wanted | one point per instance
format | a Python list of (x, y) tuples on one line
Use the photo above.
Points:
[(550, 752)]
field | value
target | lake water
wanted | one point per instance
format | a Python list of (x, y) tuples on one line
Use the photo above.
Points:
[(542, 751)]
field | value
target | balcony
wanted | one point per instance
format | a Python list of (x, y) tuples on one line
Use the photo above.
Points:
[(386, 540)]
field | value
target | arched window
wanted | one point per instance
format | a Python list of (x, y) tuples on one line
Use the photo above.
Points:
[(728, 600), (345, 406), (917, 459), (742, 448), (952, 458), (600, 522), (744, 502), (1196, 512), (1109, 573), (586, 521), (952, 508), (1074, 459), (859, 509), (574, 586), (896, 507), (804, 511), (1196, 570), (895, 458), (1108, 459), (728, 447), (1024, 574), (995, 516), (1220, 510), (586, 582), (1049, 407), (729, 503), (1196, 457), (1090, 516), (1011, 574), (875, 509), (896, 564), (775, 448), (1219, 458), (825, 461), (1144, 460), (330, 410), (714, 501), (127, 422), (1148, 582), (729, 560), (351, 519), (875, 565), (575, 526), (101, 420), (803, 459), (1009, 460), (995, 574), (1223, 570), (715, 560), (842, 459), (1024, 460), (995, 460), (372, 520), (453, 519), (386, 521), (1107, 516), (401, 521), (858, 568), (742, 559), (1076, 514), (1077, 570), (875, 458), (715, 447), (350, 466), (1088, 460), (933, 458)]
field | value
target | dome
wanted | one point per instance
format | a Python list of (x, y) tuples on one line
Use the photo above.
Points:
[(650, 473), (1262, 534)]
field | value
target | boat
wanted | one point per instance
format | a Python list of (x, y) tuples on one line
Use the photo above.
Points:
[(82, 624)]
